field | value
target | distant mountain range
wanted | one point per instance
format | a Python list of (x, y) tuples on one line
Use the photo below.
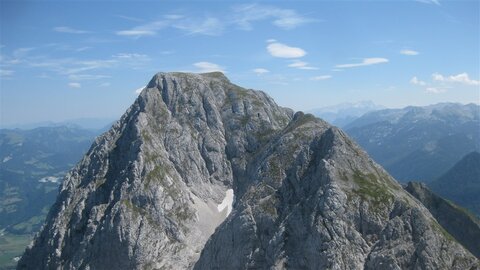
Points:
[(419, 143), (342, 114), (80, 123), (461, 184)]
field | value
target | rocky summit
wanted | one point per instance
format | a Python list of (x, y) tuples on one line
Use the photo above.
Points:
[(202, 174)]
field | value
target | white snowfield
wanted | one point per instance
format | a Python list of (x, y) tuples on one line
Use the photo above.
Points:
[(227, 202)]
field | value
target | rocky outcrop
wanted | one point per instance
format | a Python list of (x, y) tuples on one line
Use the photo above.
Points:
[(151, 192), (459, 223)]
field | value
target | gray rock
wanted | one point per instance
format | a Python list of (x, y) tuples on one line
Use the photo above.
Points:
[(146, 195)]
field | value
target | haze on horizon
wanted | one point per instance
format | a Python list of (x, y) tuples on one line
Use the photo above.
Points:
[(87, 59)]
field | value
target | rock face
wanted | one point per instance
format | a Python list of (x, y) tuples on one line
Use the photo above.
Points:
[(153, 192), (460, 224)]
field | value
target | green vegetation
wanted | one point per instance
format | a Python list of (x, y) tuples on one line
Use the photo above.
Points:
[(157, 174), (268, 206), (11, 246), (100, 183), (437, 227), (371, 189), (244, 120)]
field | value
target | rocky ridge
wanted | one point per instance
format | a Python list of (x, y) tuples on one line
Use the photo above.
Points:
[(147, 194)]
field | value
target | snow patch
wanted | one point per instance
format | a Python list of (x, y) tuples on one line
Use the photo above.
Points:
[(227, 202)]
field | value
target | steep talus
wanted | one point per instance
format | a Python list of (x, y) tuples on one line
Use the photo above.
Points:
[(146, 195)]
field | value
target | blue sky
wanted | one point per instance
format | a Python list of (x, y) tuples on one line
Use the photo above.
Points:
[(78, 59)]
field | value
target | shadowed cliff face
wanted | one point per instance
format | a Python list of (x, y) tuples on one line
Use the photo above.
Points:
[(147, 194), (462, 225)]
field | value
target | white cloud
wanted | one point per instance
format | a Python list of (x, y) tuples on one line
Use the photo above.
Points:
[(6, 72), (416, 81), (105, 84), (74, 85), (365, 62), (69, 30), (321, 78), (260, 71), (462, 78), (434, 90), (245, 15), (139, 90), (271, 40), (409, 52), (205, 67), (284, 51), (301, 65)]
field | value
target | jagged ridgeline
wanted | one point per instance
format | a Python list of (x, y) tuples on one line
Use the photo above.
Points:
[(154, 192)]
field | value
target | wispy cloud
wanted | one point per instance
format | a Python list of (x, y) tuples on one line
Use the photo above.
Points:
[(209, 26), (321, 78), (84, 77), (462, 78), (245, 15), (74, 85), (136, 33), (149, 29), (434, 2), (284, 51), (416, 81), (301, 65), (409, 52), (365, 62), (72, 68), (69, 30), (129, 18), (202, 26), (205, 67), (104, 84), (435, 90), (260, 71), (5, 73)]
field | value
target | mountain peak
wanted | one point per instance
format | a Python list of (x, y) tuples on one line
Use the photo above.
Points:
[(151, 192)]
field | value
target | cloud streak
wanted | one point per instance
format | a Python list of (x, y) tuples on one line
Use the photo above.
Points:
[(409, 52), (365, 62), (321, 78), (246, 15), (74, 85), (301, 65), (69, 30)]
